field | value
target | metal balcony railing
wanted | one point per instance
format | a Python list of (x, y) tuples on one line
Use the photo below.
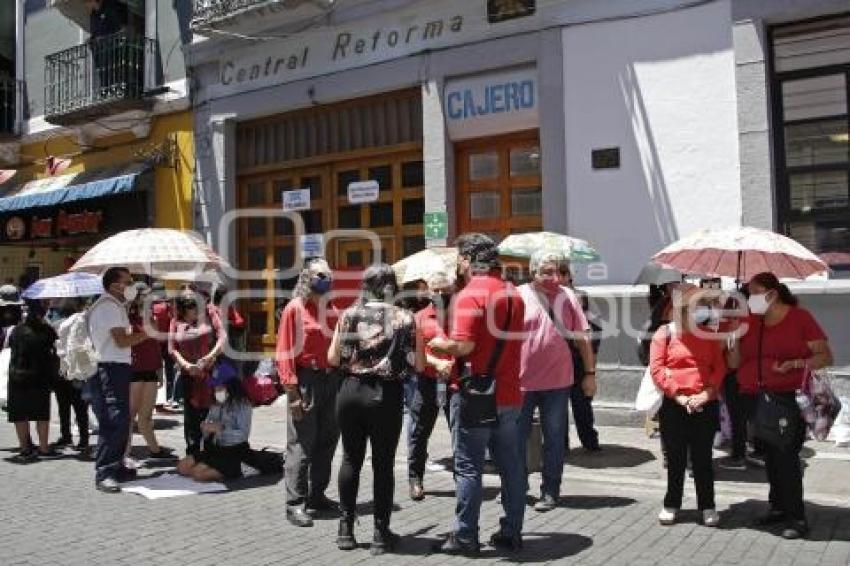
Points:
[(105, 75), (206, 11), (9, 91)]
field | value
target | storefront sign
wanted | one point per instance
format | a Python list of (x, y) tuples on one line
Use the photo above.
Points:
[(298, 199), (363, 191), (486, 105), (16, 228), (436, 225), (84, 222), (312, 245), (421, 27)]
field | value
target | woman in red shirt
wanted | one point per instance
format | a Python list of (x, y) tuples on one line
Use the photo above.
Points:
[(306, 327), (791, 340), (147, 363), (195, 342), (687, 364)]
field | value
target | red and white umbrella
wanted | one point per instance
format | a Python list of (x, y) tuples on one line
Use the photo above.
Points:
[(152, 251), (740, 253)]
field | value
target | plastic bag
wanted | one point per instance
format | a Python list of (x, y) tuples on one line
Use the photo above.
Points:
[(826, 403), (841, 428), (649, 396)]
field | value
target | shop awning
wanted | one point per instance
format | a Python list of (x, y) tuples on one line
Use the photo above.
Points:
[(75, 187)]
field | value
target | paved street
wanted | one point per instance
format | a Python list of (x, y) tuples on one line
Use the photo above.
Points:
[(52, 515)]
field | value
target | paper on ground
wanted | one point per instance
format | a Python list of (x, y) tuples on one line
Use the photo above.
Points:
[(170, 485)]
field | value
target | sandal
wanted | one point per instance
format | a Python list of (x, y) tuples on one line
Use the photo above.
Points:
[(24, 457)]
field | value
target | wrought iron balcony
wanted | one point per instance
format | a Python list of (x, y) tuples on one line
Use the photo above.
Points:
[(247, 15), (104, 76), (9, 96)]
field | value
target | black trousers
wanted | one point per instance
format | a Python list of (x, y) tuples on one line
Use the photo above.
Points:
[(369, 410), (740, 408), (423, 413), (682, 434), (582, 416), (192, 419), (69, 395), (785, 475), (311, 441)]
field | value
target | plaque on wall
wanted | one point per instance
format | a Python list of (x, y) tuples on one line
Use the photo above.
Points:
[(501, 10)]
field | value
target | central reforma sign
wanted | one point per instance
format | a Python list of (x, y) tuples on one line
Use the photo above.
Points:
[(491, 104)]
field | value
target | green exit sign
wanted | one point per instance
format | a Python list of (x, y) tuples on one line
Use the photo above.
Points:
[(436, 225)]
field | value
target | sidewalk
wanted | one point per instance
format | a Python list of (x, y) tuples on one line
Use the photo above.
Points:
[(52, 515)]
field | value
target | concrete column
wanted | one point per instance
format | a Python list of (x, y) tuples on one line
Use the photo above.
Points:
[(751, 77), (550, 72), (438, 157)]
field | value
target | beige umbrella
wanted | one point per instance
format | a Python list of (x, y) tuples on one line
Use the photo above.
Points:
[(422, 264)]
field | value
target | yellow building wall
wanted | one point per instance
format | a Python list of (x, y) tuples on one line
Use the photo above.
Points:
[(173, 186)]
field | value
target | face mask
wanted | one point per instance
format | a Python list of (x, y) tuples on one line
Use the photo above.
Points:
[(703, 315), (758, 304), (321, 285), (130, 293), (221, 396)]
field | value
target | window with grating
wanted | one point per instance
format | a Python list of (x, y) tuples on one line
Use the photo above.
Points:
[(350, 126)]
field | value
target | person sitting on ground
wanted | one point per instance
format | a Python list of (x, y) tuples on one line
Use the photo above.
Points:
[(226, 431)]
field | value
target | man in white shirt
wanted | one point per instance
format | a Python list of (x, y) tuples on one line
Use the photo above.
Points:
[(112, 338)]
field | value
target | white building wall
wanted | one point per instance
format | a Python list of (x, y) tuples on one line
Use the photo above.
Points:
[(664, 93)]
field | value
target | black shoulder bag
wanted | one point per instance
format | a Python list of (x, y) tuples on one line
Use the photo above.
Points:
[(777, 418), (478, 392)]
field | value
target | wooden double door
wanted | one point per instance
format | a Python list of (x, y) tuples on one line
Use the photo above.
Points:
[(353, 234)]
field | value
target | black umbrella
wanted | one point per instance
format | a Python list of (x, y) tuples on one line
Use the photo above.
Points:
[(654, 274)]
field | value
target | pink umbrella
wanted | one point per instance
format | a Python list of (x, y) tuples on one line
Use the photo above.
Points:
[(740, 253)]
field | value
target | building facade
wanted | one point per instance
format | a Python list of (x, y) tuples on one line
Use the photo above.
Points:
[(627, 124), (100, 134)]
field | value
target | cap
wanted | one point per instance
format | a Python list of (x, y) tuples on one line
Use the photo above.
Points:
[(9, 296), (223, 373)]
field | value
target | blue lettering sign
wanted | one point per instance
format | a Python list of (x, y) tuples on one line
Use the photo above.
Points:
[(492, 99)]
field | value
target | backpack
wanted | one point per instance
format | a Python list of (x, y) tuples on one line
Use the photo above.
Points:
[(80, 360), (262, 387)]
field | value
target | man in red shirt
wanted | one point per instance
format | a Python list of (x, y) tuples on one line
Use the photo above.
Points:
[(487, 330), (440, 374)]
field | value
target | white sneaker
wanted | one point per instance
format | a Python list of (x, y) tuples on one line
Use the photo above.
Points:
[(710, 518), (667, 516)]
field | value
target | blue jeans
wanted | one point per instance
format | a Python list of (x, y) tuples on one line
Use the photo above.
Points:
[(110, 389), (553, 420), (469, 444)]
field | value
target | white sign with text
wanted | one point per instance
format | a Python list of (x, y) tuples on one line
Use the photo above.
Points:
[(312, 245), (299, 199), (363, 191)]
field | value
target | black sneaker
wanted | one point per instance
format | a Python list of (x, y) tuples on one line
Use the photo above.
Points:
[(162, 454), (62, 442), (455, 546), (796, 530), (108, 485), (126, 474), (512, 543), (733, 464), (298, 517), (546, 503)]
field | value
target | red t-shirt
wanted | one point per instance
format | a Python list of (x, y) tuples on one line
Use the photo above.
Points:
[(788, 340), (478, 310), (303, 338), (429, 324), (147, 355)]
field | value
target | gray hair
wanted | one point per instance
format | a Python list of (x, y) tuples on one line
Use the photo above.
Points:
[(314, 267), (540, 257)]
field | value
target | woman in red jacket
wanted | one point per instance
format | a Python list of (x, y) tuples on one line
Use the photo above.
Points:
[(686, 361), (791, 340)]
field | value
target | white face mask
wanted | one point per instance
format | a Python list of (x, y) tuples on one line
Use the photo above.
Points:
[(130, 293), (758, 304), (221, 396)]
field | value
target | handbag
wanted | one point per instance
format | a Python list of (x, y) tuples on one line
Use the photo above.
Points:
[(262, 387), (650, 397), (478, 392), (777, 418)]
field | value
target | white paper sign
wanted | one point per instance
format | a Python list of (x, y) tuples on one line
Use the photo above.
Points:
[(363, 191), (298, 199), (312, 245)]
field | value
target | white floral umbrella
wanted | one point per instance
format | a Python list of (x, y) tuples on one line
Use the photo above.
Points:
[(422, 264), (741, 253), (151, 251)]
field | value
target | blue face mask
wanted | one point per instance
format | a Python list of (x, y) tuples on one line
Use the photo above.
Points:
[(320, 285), (703, 315)]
